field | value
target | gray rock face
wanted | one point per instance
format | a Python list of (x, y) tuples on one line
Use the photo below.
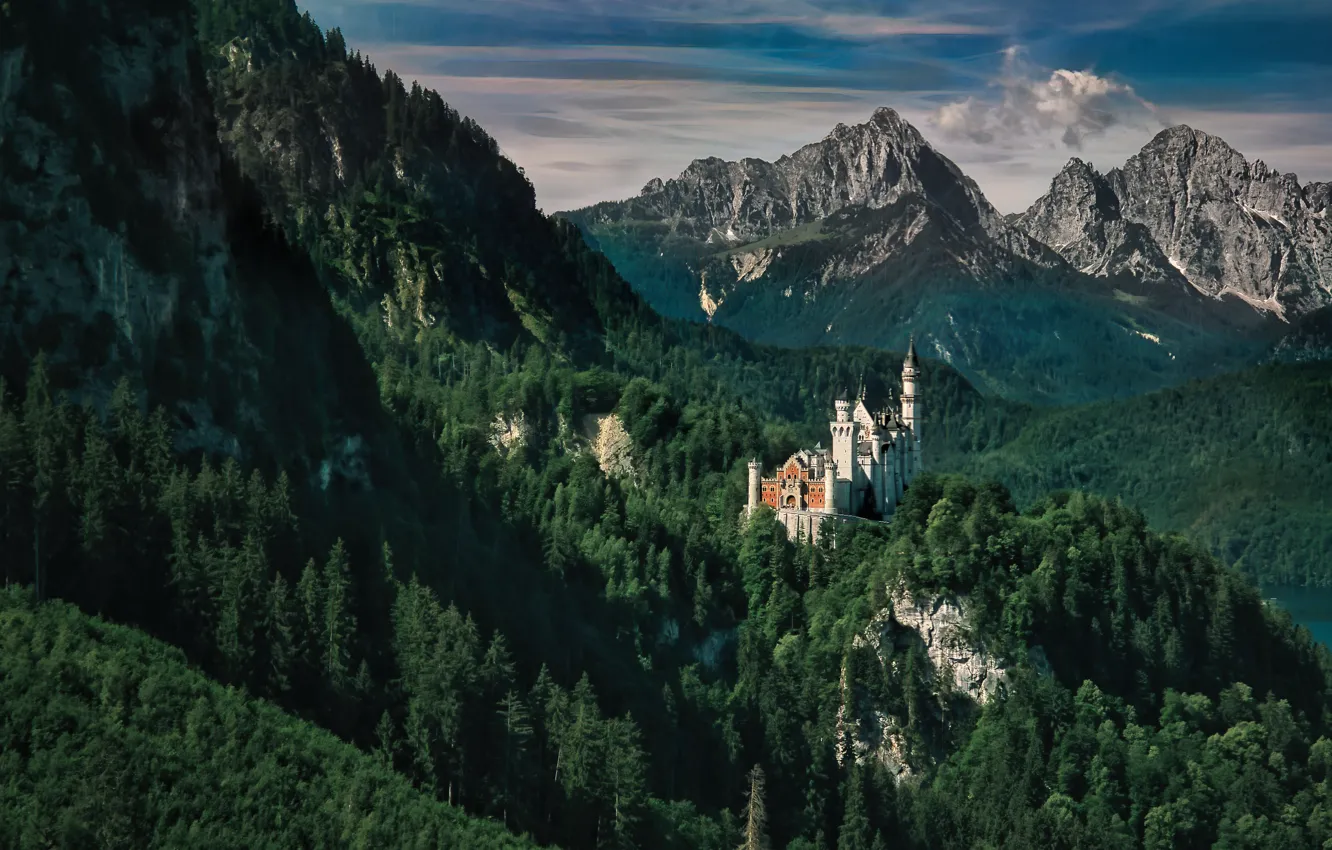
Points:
[(958, 668), (959, 665), (114, 235), (871, 165), (1188, 207)]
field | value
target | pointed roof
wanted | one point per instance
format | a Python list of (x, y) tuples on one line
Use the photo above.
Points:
[(911, 351)]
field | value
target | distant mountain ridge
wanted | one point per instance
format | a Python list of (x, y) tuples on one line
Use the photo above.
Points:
[(1189, 208), (870, 233), (871, 165)]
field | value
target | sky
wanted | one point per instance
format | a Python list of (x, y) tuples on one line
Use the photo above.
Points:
[(593, 98)]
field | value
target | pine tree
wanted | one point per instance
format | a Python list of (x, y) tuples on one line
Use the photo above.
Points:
[(278, 636), (40, 427), (856, 832), (421, 743), (309, 604), (517, 731), (239, 604), (386, 747), (14, 479), (337, 622), (621, 787)]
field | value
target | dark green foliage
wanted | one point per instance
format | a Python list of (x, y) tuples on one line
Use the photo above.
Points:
[(109, 739), (1139, 624), (1242, 463), (205, 558)]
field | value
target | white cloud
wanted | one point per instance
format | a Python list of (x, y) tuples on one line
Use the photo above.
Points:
[(1035, 105)]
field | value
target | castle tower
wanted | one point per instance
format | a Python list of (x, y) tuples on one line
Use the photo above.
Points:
[(755, 473), (845, 431), (910, 409)]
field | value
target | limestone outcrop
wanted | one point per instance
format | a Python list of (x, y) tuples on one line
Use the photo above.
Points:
[(508, 433), (610, 444), (960, 675)]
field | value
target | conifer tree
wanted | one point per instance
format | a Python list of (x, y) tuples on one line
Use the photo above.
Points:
[(40, 427), (337, 623), (386, 745), (856, 832), (14, 478), (309, 604), (516, 729), (279, 640), (421, 743)]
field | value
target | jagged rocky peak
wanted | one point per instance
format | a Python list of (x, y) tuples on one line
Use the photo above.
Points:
[(1320, 197), (1189, 206), (873, 164), (653, 185)]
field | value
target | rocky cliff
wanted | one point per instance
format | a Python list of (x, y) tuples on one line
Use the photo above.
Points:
[(1190, 209), (956, 672), (131, 247), (113, 242), (409, 204)]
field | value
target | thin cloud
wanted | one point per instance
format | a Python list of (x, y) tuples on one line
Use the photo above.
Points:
[(873, 26), (544, 126), (1070, 105)]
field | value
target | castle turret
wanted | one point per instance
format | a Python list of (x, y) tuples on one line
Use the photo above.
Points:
[(843, 407), (755, 473), (910, 408)]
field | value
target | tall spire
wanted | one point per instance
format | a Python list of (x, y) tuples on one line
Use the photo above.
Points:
[(911, 351)]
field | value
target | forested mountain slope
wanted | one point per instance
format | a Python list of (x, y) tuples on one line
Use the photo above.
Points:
[(1242, 463), (149, 753)]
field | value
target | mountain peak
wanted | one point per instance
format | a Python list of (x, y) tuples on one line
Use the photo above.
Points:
[(887, 116), (1188, 205), (1183, 134), (1077, 166), (884, 122), (873, 164)]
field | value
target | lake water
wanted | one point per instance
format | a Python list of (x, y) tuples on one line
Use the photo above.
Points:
[(1311, 607)]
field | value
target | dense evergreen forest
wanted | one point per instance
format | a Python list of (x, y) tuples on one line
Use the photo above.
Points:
[(111, 740), (424, 558), (1142, 727), (1242, 463)]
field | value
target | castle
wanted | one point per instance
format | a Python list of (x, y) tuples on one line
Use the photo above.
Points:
[(873, 458)]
